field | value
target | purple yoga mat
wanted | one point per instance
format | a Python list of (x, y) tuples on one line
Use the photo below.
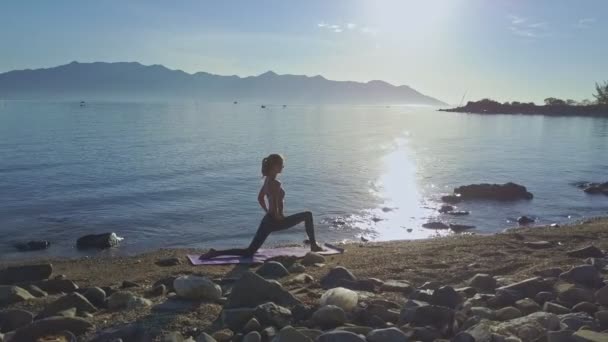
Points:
[(262, 255)]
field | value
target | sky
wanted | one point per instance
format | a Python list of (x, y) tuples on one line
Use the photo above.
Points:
[(524, 50)]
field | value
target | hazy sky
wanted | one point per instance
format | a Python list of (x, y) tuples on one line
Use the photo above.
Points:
[(504, 49)]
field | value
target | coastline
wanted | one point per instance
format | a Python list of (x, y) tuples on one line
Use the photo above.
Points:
[(451, 260)]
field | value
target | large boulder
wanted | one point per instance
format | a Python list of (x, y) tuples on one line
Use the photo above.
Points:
[(483, 282), (98, 241), (52, 325), (73, 300), (13, 319), (13, 294), (252, 290), (197, 288), (502, 192), (339, 296), (335, 276), (586, 275), (23, 274)]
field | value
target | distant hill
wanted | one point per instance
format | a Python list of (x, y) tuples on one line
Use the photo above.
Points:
[(134, 81)]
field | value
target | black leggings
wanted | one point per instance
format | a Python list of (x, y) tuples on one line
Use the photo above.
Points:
[(268, 225)]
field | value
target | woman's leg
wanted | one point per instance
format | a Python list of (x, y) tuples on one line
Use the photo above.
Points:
[(258, 239), (295, 219)]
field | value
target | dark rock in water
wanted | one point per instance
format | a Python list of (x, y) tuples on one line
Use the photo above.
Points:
[(33, 245), (335, 275), (435, 225), (452, 199), (523, 220), (52, 325), (595, 188), (24, 274), (252, 290), (446, 208), (458, 212), (503, 192), (457, 228), (13, 319), (586, 252), (99, 241)]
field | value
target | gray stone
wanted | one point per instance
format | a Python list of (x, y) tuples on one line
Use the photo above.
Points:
[(446, 296), (396, 286), (72, 300), (481, 332), (560, 336), (252, 325), (576, 320), (387, 335), (13, 294), (223, 335), (339, 296), (302, 278), (483, 282), (584, 274), (483, 312), (272, 314), (157, 291), (51, 325), (236, 318), (57, 286), (555, 308), (172, 336), (272, 270), (71, 312), (128, 333), (296, 267), (99, 241), (586, 252), (539, 244), (197, 288), (312, 258), (253, 336), (289, 334), (507, 313), (587, 307), (175, 305), (96, 296), (204, 337), (332, 279), (168, 262), (527, 306), (463, 337), (329, 316), (544, 296), (13, 319), (530, 327), (340, 336), (440, 317), (120, 300), (527, 288), (24, 274), (313, 334), (35, 291), (602, 318), (572, 295), (601, 296), (590, 336), (252, 290)]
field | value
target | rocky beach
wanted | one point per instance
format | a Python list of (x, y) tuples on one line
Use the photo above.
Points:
[(526, 284)]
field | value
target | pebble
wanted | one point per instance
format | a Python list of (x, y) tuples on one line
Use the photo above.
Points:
[(312, 258), (587, 307), (329, 316), (334, 276), (168, 262), (507, 313), (272, 314), (252, 290), (253, 336), (289, 334), (96, 296), (223, 335), (296, 267), (527, 306), (586, 275), (341, 297), (197, 288)]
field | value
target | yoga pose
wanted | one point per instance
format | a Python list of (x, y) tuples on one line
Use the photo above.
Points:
[(273, 220)]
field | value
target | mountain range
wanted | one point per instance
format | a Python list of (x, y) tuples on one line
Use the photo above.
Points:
[(134, 81)]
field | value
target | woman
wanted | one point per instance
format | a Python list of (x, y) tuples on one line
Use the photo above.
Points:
[(273, 220)]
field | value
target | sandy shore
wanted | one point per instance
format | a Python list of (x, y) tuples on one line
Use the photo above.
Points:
[(448, 260)]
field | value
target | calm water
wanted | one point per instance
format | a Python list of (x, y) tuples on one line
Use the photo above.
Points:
[(187, 174)]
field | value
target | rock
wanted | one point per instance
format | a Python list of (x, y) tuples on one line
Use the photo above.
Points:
[(301, 279), (452, 199), (13, 294), (128, 284), (601, 296), (553, 272), (35, 291), (168, 282), (197, 288), (481, 332), (252, 290), (396, 286), (204, 338), (340, 336), (99, 241), (224, 335), (96, 296), (157, 291), (483, 282), (435, 225), (544, 296), (52, 325), (446, 208), (539, 244), (167, 262), (507, 313), (312, 258), (555, 308), (446, 296), (37, 245), (502, 192), (530, 327), (236, 319), (572, 295), (586, 252), (54, 286), (524, 220), (252, 325), (289, 334), (584, 274), (272, 314), (72, 300), (527, 306), (126, 300), (329, 316), (358, 285), (272, 270), (138, 302), (457, 228), (527, 288), (332, 279), (130, 332), (426, 334), (463, 337), (387, 335), (24, 274), (577, 320), (268, 333), (587, 307), (440, 317), (172, 336), (296, 267), (602, 318), (13, 319), (339, 296), (458, 212), (560, 336), (254, 336), (584, 335), (483, 312)]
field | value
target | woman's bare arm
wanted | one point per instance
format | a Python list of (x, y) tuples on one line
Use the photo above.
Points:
[(261, 199)]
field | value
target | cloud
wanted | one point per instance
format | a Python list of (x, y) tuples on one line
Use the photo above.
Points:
[(351, 26), (585, 23), (523, 27)]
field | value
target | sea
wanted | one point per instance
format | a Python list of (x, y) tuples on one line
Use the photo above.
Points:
[(187, 174)]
